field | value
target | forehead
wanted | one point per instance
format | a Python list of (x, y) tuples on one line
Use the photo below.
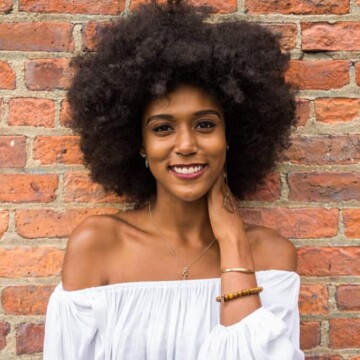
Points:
[(184, 99)]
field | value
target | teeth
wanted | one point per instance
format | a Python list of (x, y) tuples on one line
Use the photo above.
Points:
[(187, 170)]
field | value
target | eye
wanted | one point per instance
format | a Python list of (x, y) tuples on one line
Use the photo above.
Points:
[(205, 124), (162, 128)]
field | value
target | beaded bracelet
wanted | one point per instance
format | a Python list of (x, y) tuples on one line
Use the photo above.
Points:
[(237, 294)]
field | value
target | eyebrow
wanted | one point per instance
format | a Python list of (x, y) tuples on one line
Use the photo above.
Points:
[(169, 117)]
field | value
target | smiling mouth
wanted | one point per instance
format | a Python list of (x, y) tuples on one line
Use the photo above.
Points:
[(187, 170)]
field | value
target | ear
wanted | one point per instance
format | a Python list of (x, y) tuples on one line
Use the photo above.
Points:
[(142, 149)]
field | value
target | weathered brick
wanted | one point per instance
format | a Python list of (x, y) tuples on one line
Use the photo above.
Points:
[(333, 110), (22, 262), (57, 150), (288, 34), (36, 36), (219, 6), (6, 6), (296, 223), (344, 333), (324, 357), (26, 300), (29, 338), (4, 331), (12, 151), (78, 187), (268, 191), (324, 186), (310, 7), (351, 222), (31, 112), (4, 222), (310, 334), (7, 76), (47, 74), (323, 150), (319, 74), (357, 73), (91, 33), (50, 223), (329, 261), (28, 187), (348, 297), (325, 37), (65, 114), (313, 299), (302, 111), (104, 7)]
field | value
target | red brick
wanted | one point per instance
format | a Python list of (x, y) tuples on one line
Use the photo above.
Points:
[(50, 223), (268, 191), (65, 114), (78, 187), (31, 112), (357, 73), (332, 110), (329, 261), (324, 186), (33, 36), (91, 34), (348, 297), (296, 223), (7, 76), (28, 187), (26, 300), (310, 334), (4, 331), (325, 37), (351, 222), (4, 222), (324, 357), (12, 151), (323, 150), (319, 74), (47, 74), (29, 338), (22, 262), (313, 299), (6, 6), (288, 34), (219, 6), (310, 7), (302, 111), (344, 333), (57, 150), (104, 7)]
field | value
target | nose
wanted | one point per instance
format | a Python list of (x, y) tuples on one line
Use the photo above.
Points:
[(186, 142)]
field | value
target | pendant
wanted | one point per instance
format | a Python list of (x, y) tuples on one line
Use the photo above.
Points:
[(185, 273)]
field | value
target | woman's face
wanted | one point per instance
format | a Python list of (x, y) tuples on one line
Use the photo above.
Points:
[(184, 141)]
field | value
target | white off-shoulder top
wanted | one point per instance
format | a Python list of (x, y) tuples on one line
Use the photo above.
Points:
[(172, 320)]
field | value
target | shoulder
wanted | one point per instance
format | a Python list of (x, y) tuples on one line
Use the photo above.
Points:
[(86, 250), (271, 249)]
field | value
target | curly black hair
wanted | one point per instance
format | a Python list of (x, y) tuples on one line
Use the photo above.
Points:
[(149, 53)]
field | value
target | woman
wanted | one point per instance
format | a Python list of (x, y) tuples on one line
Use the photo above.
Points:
[(178, 114)]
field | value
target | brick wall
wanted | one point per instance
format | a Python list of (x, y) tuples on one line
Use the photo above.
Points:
[(313, 197)]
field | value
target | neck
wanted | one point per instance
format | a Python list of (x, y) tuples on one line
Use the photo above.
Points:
[(182, 221)]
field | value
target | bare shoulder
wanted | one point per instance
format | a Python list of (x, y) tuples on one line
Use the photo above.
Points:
[(271, 250), (87, 248)]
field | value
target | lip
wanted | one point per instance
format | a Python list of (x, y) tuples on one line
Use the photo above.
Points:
[(188, 176)]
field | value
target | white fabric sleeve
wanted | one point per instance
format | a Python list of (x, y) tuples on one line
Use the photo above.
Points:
[(70, 328), (269, 333)]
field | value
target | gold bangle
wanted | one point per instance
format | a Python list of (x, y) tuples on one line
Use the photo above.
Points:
[(237, 294), (241, 270)]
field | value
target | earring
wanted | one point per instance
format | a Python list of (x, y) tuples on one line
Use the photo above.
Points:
[(228, 199), (145, 158), (227, 147)]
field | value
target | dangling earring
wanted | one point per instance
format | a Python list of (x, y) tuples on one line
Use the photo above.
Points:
[(145, 158), (228, 199)]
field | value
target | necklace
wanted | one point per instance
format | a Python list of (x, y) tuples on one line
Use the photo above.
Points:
[(186, 268)]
